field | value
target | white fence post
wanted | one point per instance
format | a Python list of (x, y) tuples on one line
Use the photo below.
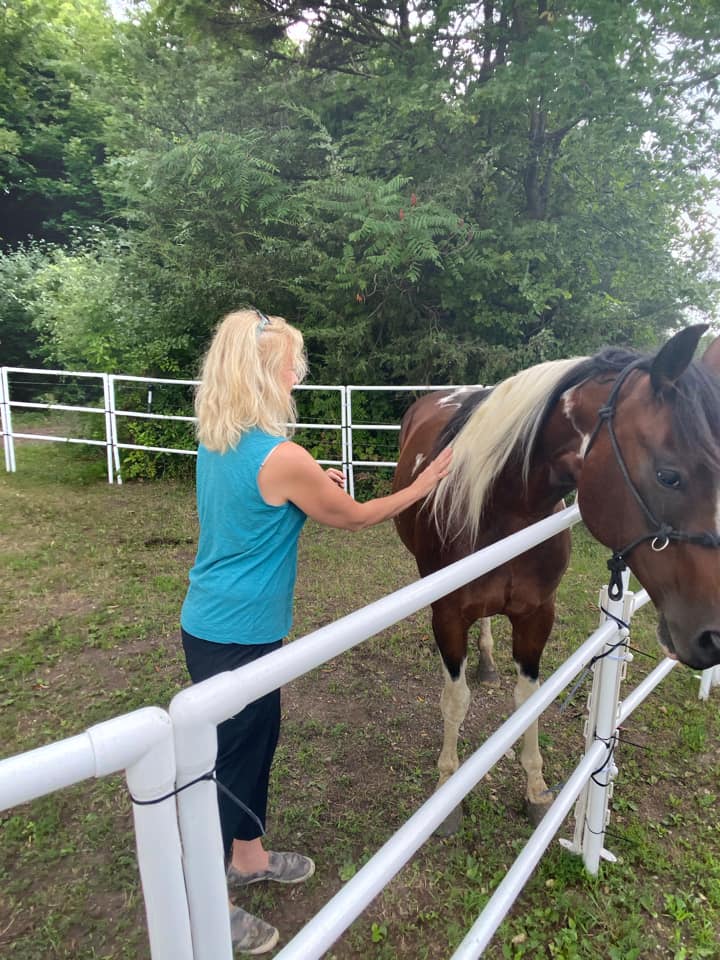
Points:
[(199, 821), (113, 429), (350, 455), (609, 670), (345, 437), (7, 421), (108, 426), (708, 679)]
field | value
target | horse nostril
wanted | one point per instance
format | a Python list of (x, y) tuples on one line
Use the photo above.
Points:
[(710, 640)]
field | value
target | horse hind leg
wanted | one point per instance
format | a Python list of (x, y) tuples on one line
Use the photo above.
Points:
[(529, 637), (454, 702), (486, 669)]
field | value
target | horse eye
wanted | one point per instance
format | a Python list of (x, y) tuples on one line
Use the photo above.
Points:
[(668, 478)]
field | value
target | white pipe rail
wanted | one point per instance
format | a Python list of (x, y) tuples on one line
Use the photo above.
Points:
[(322, 931), (495, 911), (483, 930), (140, 743)]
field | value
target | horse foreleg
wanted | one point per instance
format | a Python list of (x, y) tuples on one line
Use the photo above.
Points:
[(537, 797), (454, 703), (486, 671), (529, 637)]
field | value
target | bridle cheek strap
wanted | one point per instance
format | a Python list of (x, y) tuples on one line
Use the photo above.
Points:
[(663, 533)]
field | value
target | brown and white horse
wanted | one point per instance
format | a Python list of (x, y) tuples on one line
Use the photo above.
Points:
[(639, 438)]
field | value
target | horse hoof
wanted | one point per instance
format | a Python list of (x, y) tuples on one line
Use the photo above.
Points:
[(487, 675), (536, 811), (451, 823)]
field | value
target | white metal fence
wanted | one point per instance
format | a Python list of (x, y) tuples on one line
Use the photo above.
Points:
[(178, 835), (108, 403)]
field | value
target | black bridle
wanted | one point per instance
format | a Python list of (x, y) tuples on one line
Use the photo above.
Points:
[(661, 533)]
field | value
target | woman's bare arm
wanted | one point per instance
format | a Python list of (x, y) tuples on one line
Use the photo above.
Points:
[(290, 473)]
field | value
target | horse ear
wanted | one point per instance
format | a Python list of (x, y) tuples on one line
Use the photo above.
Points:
[(672, 359), (711, 357)]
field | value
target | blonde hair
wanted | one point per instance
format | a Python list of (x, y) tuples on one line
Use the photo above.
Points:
[(241, 379), (507, 421)]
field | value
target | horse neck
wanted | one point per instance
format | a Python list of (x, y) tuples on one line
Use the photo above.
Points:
[(561, 446)]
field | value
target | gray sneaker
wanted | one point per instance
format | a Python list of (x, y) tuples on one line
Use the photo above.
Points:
[(283, 868), (251, 934)]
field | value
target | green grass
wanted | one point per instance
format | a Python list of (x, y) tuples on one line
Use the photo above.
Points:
[(93, 578)]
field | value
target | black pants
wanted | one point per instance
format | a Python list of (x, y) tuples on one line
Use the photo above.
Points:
[(246, 742)]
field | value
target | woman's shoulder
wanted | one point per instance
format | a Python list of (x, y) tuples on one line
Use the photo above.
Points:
[(290, 459)]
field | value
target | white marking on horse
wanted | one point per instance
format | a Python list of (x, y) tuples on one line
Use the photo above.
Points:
[(452, 399), (530, 756), (454, 702), (568, 402), (419, 460)]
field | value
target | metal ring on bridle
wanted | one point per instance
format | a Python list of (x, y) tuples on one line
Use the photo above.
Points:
[(664, 541)]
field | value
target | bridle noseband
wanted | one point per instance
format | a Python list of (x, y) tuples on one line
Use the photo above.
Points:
[(663, 533)]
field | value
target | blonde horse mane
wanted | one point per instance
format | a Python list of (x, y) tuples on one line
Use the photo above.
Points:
[(507, 420)]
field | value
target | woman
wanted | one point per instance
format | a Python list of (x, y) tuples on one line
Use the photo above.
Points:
[(255, 489)]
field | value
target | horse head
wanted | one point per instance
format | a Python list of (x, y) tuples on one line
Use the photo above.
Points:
[(648, 480)]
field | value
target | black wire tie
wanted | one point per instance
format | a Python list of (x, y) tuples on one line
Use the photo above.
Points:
[(205, 776)]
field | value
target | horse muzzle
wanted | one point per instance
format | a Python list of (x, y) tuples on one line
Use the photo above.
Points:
[(700, 652)]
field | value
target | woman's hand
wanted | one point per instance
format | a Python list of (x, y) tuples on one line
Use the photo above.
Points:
[(337, 477), (428, 479)]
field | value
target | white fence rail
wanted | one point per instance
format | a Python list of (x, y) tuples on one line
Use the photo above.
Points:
[(200, 903), (110, 406)]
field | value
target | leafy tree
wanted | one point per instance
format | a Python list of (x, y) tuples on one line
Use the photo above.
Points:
[(51, 125), (19, 344), (567, 138)]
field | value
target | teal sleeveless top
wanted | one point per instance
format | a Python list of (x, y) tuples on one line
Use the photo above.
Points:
[(243, 580)]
